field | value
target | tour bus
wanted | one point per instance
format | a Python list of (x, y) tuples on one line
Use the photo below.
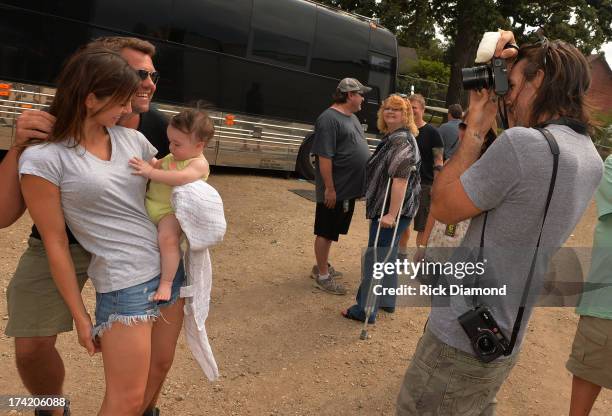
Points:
[(266, 67)]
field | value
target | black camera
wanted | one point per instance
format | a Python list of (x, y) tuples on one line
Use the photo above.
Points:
[(488, 341), (493, 76)]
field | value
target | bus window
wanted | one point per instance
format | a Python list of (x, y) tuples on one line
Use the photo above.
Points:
[(148, 18), (29, 50), (373, 97), (383, 41), (73, 9), (217, 25), (341, 46), (279, 48), (380, 74), (280, 37)]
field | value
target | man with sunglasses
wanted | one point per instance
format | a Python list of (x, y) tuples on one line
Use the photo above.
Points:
[(144, 117), (341, 156), (37, 312)]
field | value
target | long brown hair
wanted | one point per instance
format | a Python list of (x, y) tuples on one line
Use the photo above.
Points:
[(567, 78), (90, 70)]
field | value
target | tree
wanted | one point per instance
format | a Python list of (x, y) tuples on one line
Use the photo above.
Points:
[(431, 70), (363, 7), (584, 23)]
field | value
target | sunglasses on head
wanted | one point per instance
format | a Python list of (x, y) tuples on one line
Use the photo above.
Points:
[(143, 74)]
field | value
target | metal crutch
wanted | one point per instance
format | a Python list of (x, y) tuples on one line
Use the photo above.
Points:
[(371, 299)]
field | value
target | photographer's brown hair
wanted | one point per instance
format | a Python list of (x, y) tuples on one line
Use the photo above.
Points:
[(567, 78)]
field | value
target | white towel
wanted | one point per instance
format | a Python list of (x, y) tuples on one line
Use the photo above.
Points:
[(486, 48), (199, 210)]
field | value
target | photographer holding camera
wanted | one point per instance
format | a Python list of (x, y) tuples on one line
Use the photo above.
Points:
[(524, 195)]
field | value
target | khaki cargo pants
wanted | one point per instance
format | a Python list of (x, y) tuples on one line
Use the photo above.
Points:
[(35, 306), (444, 381)]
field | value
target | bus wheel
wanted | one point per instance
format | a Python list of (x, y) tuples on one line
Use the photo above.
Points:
[(305, 162)]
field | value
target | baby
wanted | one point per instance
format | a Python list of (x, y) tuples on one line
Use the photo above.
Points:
[(188, 133)]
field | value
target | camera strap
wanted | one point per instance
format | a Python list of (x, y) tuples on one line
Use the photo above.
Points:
[(554, 148), (503, 112), (576, 125), (480, 257)]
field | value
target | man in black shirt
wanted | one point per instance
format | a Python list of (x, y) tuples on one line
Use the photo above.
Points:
[(37, 312), (431, 148)]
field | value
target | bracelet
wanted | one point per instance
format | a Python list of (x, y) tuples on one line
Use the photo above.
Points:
[(438, 168), (511, 46)]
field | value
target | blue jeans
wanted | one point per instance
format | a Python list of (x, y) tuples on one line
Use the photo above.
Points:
[(385, 247)]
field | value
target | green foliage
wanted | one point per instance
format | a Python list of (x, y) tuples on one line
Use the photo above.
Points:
[(431, 70), (602, 133), (432, 50), (603, 119)]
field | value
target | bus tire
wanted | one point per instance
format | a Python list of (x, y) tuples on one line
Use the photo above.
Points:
[(304, 164)]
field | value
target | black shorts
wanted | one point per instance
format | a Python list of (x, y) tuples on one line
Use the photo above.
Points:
[(420, 219), (330, 223)]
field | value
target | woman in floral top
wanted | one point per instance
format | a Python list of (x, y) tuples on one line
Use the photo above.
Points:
[(397, 156)]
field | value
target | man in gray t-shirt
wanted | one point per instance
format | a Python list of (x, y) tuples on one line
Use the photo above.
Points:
[(507, 188), (341, 156)]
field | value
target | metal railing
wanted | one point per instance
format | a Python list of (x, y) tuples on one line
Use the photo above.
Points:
[(434, 92)]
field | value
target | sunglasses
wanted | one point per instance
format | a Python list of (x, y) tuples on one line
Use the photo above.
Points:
[(144, 74)]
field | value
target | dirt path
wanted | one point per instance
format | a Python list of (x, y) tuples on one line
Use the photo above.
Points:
[(281, 345)]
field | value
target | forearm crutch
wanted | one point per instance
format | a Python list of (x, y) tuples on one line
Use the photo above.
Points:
[(371, 298)]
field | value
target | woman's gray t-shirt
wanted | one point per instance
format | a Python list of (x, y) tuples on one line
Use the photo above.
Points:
[(103, 204)]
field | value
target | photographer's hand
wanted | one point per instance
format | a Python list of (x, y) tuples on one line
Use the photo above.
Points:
[(506, 38), (481, 114)]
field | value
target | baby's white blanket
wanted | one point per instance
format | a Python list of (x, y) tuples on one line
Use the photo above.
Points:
[(199, 210)]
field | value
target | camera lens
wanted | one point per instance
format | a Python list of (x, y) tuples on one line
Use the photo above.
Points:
[(486, 343), (477, 77)]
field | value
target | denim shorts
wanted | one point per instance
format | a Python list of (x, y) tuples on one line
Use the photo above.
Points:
[(134, 303)]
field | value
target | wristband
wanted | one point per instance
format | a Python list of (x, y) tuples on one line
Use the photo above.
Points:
[(511, 46)]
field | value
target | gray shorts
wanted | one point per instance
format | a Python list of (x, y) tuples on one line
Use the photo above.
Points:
[(442, 380), (35, 306)]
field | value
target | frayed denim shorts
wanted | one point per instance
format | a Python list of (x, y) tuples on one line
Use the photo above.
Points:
[(134, 304)]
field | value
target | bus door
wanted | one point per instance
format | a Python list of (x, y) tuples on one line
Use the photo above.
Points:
[(380, 79)]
